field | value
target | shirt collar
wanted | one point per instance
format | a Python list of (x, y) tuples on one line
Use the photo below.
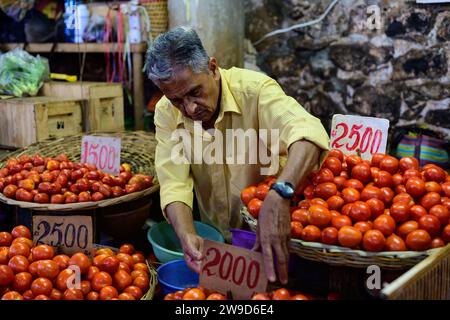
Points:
[(227, 101)]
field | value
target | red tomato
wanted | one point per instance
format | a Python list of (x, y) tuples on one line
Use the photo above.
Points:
[(430, 224), (311, 233), (350, 195), (246, 195), (138, 257), (28, 295), (325, 190), (5, 239), (388, 195), (406, 163), (62, 278), (129, 248), (299, 297), (376, 207), (373, 240), (434, 174), (371, 192), (73, 294), (21, 231), (403, 197), (141, 282), (122, 279), (296, 229), (361, 172), (433, 186), (62, 261), (261, 192), (363, 226), (41, 286), (437, 243), (330, 235), (281, 294), (410, 173), (400, 211), (360, 211), (406, 228), (353, 183), (42, 252), (22, 282), (384, 223), (194, 294), (216, 296), (100, 280), (397, 179), (108, 293), (445, 201), (339, 182), (309, 192), (389, 164), (349, 237), (324, 175), (384, 179), (334, 164), (418, 240), (417, 212), (319, 216), (446, 233), (6, 275), (441, 212), (12, 295), (376, 159), (82, 261), (254, 206), (336, 154), (134, 291), (301, 215), (415, 187), (92, 296), (319, 202), (18, 264), (346, 209), (374, 171), (56, 294), (445, 189), (261, 296), (352, 161), (341, 221), (394, 243), (47, 269), (122, 257)]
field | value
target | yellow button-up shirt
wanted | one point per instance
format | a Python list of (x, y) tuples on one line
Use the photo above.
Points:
[(249, 101)]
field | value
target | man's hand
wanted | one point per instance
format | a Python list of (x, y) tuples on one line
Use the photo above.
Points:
[(193, 250), (272, 236)]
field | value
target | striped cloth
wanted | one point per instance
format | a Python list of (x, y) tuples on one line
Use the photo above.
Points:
[(425, 148)]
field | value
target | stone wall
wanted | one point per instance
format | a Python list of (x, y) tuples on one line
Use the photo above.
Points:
[(400, 71)]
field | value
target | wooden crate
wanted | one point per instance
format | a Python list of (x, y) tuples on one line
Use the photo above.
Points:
[(24, 121), (103, 110)]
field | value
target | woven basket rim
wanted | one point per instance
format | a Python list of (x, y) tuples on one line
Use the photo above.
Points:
[(347, 251)]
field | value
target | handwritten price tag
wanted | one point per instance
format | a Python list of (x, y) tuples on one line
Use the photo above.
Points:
[(104, 152), (227, 268), (70, 234), (359, 135)]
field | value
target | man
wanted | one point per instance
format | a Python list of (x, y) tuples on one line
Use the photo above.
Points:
[(197, 91)]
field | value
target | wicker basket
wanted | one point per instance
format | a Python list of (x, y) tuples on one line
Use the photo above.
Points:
[(153, 277), (340, 256), (158, 14), (138, 149)]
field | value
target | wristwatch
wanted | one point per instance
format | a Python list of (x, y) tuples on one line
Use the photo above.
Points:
[(284, 189)]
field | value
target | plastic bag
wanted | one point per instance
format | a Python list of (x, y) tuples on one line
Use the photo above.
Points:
[(21, 74)]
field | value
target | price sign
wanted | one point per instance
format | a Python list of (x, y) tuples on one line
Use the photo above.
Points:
[(104, 152), (70, 234), (359, 135), (227, 268)]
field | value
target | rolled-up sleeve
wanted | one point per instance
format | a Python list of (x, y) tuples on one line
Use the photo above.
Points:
[(176, 183), (276, 110)]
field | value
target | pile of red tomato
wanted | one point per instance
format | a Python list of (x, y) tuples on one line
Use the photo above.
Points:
[(201, 293), (61, 181), (384, 204), (30, 272)]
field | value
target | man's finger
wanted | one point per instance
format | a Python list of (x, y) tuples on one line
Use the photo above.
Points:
[(192, 264), (268, 260), (282, 261), (257, 244)]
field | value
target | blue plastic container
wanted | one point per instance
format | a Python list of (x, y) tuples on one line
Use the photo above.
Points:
[(176, 275), (242, 238), (166, 245)]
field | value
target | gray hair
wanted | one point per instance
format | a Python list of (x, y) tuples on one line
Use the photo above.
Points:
[(180, 47)]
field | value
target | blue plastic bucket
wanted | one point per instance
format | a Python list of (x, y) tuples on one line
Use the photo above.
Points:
[(176, 275)]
